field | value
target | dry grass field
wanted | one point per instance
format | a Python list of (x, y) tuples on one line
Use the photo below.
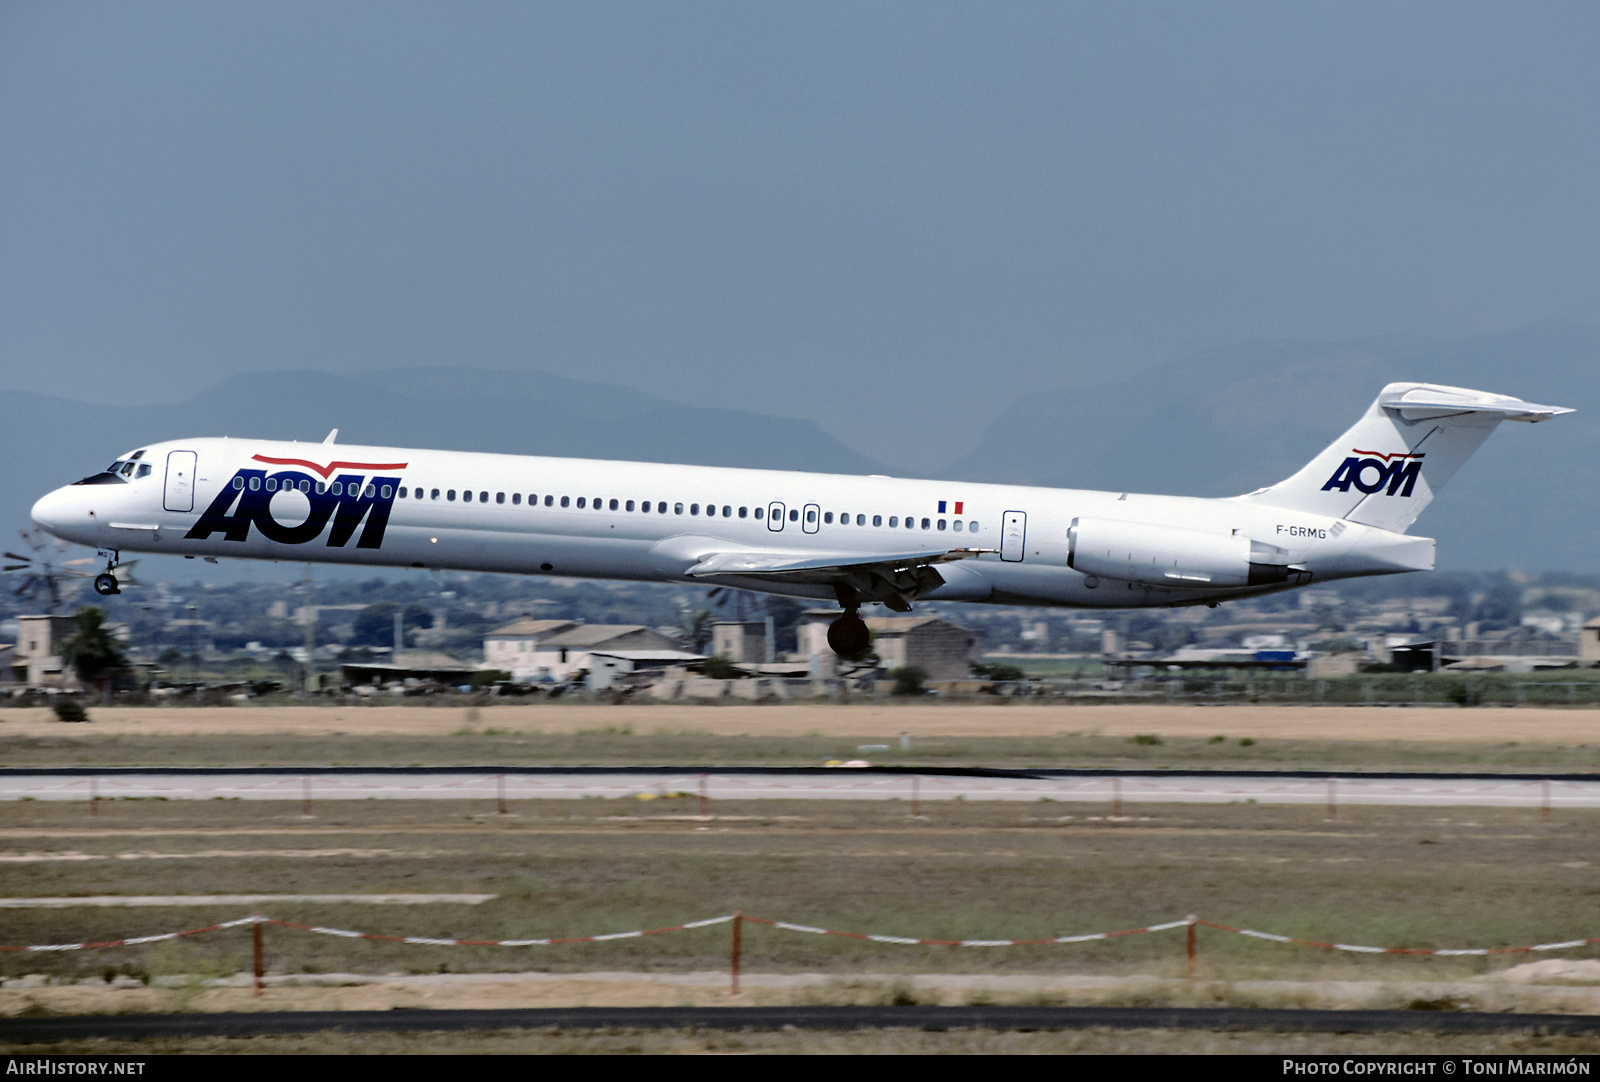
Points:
[(1424, 724)]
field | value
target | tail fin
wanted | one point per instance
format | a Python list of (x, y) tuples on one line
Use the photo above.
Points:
[(1388, 467)]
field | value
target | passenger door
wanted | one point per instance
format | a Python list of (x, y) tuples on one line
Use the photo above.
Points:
[(179, 495), (1013, 535)]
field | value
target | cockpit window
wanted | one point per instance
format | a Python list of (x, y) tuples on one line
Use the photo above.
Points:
[(144, 469), (106, 478), (127, 469), (136, 456)]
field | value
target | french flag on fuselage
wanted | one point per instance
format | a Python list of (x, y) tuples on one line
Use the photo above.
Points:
[(957, 511)]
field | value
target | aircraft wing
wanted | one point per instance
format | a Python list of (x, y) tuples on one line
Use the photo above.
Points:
[(894, 579)]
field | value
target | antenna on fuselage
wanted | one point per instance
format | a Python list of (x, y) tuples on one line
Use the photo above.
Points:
[(332, 436)]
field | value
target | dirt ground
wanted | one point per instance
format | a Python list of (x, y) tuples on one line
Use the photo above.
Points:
[(1489, 725), (1557, 987)]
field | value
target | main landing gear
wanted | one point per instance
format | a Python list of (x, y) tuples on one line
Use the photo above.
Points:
[(105, 583), (848, 636)]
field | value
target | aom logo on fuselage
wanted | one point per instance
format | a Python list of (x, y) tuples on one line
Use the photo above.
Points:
[(1375, 470), (347, 500)]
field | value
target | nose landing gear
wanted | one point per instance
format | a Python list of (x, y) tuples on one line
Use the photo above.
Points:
[(105, 583)]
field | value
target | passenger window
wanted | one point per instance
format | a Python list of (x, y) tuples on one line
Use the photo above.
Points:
[(694, 509), (972, 527), (435, 492), (861, 520), (580, 503), (677, 509), (744, 512), (794, 515), (894, 520), (548, 500), (941, 524), (758, 513), (596, 503), (499, 497), (827, 519), (629, 505), (402, 492), (516, 498), (372, 491), (661, 508), (450, 494), (337, 488), (956, 525), (727, 510), (613, 505), (272, 484), (924, 524), (238, 482), (466, 496), (811, 517)]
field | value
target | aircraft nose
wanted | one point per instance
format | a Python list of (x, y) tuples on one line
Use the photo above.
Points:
[(55, 511)]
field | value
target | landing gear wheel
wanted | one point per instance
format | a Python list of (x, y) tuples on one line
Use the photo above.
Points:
[(848, 636), (106, 584)]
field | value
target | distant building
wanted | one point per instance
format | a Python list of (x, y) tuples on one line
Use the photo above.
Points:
[(38, 651), (742, 642), (1589, 644), (633, 668), (545, 650), (511, 648), (941, 649)]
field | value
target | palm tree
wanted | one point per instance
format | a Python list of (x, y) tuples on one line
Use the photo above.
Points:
[(92, 651)]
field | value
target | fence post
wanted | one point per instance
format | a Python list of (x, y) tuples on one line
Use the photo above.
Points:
[(705, 801), (1189, 946), (1544, 800), (305, 797), (500, 793), (738, 921), (1333, 804), (94, 796), (255, 937), (1116, 798), (916, 798)]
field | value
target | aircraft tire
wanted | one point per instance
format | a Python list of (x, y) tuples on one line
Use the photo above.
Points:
[(106, 584), (848, 636)]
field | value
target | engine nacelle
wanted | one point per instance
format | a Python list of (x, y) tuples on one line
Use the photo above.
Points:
[(1172, 555)]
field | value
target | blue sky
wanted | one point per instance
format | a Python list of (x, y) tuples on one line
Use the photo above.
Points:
[(893, 218)]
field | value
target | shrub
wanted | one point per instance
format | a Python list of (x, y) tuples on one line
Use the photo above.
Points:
[(908, 681)]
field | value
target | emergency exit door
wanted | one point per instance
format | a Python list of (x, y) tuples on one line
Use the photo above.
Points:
[(1013, 535)]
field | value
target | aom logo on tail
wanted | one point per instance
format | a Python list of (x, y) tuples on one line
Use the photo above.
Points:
[(1375, 470), (348, 500)]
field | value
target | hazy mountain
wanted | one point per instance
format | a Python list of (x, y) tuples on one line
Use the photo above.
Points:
[(47, 441), (1231, 420)]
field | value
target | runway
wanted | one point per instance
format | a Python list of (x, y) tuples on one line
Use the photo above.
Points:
[(261, 1023), (736, 784)]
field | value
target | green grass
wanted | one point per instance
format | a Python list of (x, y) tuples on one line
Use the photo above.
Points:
[(469, 747)]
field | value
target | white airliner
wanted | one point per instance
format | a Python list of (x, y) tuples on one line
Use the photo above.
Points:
[(856, 540)]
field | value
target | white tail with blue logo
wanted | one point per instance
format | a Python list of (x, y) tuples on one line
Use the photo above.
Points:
[(1389, 466)]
